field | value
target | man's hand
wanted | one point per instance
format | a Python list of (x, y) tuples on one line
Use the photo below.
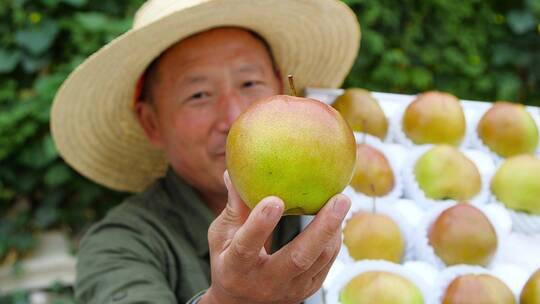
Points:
[(244, 272)]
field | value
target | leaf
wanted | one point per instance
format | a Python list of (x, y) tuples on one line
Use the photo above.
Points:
[(76, 3), (27, 181), (521, 21), (504, 54), (92, 21), (46, 86), (39, 154), (49, 148), (507, 86), (8, 91), (54, 196), (50, 3), (9, 60), (38, 38), (421, 78), (33, 64), (374, 41), (56, 175), (46, 216)]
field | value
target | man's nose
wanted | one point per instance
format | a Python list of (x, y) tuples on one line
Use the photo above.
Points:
[(231, 105)]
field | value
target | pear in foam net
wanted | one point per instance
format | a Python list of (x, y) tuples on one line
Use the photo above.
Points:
[(373, 175), (372, 236), (362, 112), (508, 129), (434, 118), (444, 172), (516, 183), (477, 288), (462, 234), (381, 287)]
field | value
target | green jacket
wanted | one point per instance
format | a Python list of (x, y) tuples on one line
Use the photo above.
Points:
[(153, 248)]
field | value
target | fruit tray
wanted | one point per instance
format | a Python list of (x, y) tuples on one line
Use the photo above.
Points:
[(518, 252)]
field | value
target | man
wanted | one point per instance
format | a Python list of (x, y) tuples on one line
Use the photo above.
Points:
[(202, 63)]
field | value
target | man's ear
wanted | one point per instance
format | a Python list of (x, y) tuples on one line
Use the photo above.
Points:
[(149, 121)]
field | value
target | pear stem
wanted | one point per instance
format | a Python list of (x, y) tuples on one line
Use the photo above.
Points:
[(374, 199), (291, 85)]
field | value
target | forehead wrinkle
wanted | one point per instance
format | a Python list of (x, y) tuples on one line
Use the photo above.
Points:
[(193, 80), (248, 68)]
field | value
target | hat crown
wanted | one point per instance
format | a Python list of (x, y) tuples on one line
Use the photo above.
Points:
[(153, 10)]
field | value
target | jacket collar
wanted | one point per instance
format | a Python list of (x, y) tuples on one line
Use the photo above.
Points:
[(196, 216)]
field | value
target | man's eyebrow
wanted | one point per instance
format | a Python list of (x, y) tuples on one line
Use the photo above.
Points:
[(193, 80), (249, 68)]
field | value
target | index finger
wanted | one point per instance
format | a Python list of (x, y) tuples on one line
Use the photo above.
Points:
[(300, 254), (249, 239)]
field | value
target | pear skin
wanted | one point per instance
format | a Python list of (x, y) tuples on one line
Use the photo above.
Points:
[(516, 183), (381, 287), (434, 118), (508, 129), (373, 175), (462, 234), (478, 288), (443, 172), (531, 291), (362, 112), (371, 236), (298, 149)]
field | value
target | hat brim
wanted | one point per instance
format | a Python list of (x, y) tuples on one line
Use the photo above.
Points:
[(92, 118)]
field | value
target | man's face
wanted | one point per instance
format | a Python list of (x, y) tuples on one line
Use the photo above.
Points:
[(203, 83)]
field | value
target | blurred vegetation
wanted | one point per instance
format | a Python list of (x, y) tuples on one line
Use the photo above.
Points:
[(41, 42), (476, 49)]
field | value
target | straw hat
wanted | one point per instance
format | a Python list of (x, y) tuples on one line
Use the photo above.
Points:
[(92, 118)]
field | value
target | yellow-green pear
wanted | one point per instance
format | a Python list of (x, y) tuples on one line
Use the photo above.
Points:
[(478, 289), (516, 183), (531, 291), (373, 175), (362, 112), (372, 236), (434, 118), (298, 149), (381, 287), (443, 172), (462, 234), (508, 129)]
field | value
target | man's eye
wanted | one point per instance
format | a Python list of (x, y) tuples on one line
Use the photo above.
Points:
[(249, 84), (199, 95)]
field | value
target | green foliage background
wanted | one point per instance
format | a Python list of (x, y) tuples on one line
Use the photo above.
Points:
[(41, 42), (476, 49)]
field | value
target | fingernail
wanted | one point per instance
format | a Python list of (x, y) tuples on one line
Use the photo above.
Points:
[(341, 206), (272, 210), (227, 180)]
